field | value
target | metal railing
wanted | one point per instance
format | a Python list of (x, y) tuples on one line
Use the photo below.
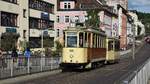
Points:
[(140, 76), (10, 67)]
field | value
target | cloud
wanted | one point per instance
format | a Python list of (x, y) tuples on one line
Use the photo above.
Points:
[(141, 5)]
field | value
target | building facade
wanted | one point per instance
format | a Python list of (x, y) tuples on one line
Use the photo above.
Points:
[(123, 3), (27, 18), (76, 11)]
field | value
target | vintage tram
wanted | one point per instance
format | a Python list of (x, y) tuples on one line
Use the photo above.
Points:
[(86, 48)]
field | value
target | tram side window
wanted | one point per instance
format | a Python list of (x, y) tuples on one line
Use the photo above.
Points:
[(110, 45), (117, 46), (85, 40), (104, 41), (71, 41), (64, 38), (81, 39)]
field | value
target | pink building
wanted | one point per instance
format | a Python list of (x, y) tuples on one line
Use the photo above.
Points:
[(75, 11)]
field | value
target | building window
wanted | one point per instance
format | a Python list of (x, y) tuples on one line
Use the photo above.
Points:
[(24, 33), (76, 19), (41, 5), (67, 5), (57, 32), (58, 19), (66, 19), (8, 19), (24, 13), (40, 23), (11, 1)]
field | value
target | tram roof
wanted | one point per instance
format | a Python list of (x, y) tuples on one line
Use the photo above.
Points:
[(84, 29)]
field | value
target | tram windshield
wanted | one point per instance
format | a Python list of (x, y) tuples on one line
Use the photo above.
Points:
[(71, 41)]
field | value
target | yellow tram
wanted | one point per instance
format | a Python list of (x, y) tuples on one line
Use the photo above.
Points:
[(112, 52), (86, 48)]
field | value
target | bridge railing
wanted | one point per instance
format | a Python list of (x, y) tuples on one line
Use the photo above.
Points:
[(140, 76), (10, 67)]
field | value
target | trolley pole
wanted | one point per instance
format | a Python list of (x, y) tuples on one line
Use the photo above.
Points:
[(133, 46)]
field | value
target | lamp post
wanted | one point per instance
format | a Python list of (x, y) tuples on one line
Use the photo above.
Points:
[(133, 46), (131, 20), (42, 43), (42, 52)]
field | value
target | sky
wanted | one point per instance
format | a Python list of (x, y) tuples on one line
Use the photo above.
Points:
[(140, 5)]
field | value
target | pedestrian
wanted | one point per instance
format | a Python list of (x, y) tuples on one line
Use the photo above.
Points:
[(14, 56), (27, 55)]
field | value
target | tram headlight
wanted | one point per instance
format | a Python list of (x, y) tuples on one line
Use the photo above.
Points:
[(71, 56)]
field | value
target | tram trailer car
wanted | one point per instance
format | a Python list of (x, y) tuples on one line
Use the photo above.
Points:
[(84, 48), (112, 49)]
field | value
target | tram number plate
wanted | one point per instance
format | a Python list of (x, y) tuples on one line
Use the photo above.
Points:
[(71, 50)]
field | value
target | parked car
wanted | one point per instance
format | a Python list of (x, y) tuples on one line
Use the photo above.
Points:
[(147, 39)]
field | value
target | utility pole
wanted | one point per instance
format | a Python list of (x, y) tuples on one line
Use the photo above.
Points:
[(133, 46), (42, 42), (42, 52)]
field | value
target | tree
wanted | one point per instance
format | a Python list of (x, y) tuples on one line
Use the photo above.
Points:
[(144, 17), (9, 40), (93, 18)]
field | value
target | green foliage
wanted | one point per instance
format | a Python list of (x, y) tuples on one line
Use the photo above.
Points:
[(93, 18), (24, 44), (48, 42), (145, 18), (48, 52), (9, 41), (59, 48)]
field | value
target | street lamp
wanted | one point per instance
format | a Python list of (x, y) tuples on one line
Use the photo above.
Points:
[(133, 46), (131, 20), (42, 36)]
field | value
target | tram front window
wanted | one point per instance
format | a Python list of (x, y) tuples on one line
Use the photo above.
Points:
[(71, 41)]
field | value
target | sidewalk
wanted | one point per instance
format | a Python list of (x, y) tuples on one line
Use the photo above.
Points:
[(28, 77), (125, 52)]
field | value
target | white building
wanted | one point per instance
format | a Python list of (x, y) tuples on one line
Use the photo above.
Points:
[(27, 18), (138, 24)]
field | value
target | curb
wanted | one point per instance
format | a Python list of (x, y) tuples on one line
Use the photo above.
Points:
[(28, 77)]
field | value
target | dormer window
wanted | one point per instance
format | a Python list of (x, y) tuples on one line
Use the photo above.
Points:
[(67, 5)]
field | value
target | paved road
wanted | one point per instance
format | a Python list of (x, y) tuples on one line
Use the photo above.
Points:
[(108, 74)]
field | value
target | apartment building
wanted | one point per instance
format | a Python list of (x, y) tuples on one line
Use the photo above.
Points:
[(30, 19)]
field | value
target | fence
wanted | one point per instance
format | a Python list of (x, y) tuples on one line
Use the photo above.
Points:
[(140, 76), (10, 67)]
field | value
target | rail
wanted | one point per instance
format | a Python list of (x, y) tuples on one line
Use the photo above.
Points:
[(139, 76), (10, 67)]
